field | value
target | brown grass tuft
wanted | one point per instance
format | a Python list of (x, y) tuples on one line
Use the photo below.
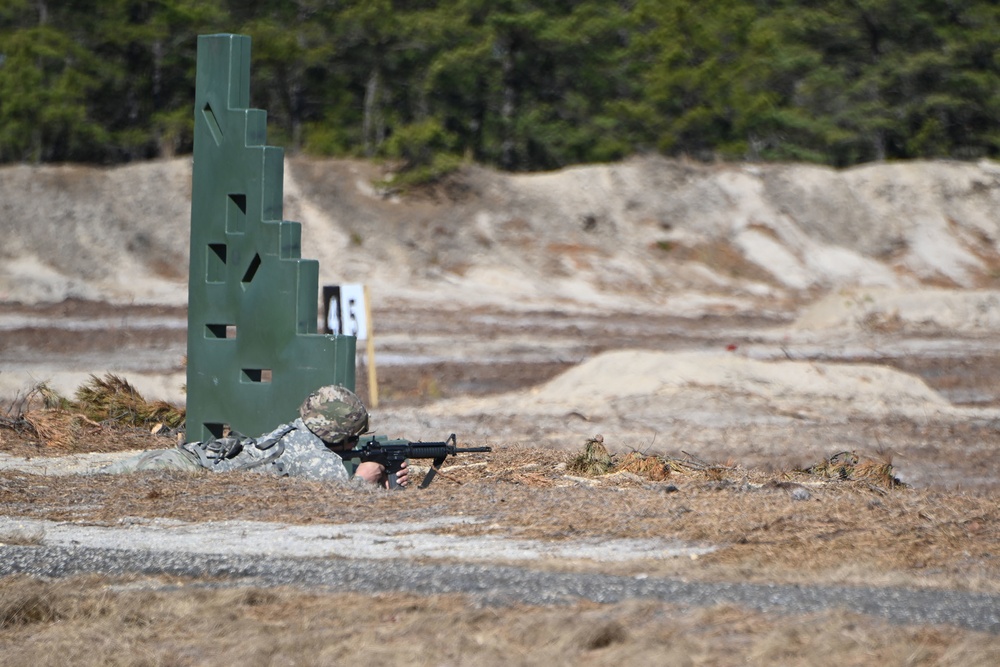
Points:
[(593, 460), (58, 427), (26, 601), (880, 473), (650, 467), (107, 409), (849, 466)]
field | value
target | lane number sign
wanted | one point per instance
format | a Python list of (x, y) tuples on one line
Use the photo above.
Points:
[(344, 307)]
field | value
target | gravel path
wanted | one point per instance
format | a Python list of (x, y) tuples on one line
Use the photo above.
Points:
[(497, 585)]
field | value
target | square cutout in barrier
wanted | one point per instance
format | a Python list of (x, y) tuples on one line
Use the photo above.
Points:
[(215, 269), (217, 430), (236, 214), (220, 331), (256, 375)]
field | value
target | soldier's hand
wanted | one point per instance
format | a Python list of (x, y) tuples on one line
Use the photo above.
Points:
[(374, 473), (403, 476), (371, 472)]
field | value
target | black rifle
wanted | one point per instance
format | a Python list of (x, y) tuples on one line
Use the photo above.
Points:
[(392, 453)]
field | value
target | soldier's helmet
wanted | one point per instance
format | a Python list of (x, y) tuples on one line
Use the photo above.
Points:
[(334, 414)]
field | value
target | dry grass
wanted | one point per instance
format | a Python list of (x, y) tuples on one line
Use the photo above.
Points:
[(95, 621), (108, 415), (594, 459), (843, 520), (841, 530), (112, 398), (653, 468)]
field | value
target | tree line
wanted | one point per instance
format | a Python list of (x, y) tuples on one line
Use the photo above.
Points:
[(517, 84)]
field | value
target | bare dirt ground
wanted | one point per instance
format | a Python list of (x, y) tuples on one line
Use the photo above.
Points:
[(745, 493), (938, 418), (744, 323), (807, 529)]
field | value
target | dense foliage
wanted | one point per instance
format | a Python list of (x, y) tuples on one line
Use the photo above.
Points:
[(519, 84)]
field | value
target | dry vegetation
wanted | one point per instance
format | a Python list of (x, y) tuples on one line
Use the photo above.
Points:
[(843, 520), (98, 621), (108, 413), (836, 518)]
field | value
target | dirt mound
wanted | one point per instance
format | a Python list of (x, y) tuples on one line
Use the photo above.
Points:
[(102, 234), (784, 384), (926, 311), (645, 233), (619, 382)]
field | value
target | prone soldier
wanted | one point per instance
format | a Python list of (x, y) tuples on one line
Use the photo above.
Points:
[(331, 419)]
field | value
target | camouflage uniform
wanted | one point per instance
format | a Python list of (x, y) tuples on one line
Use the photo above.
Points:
[(300, 449)]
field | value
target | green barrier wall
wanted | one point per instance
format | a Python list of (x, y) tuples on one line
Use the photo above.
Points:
[(253, 351)]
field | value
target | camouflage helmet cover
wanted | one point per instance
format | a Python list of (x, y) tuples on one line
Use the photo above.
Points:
[(334, 414)]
